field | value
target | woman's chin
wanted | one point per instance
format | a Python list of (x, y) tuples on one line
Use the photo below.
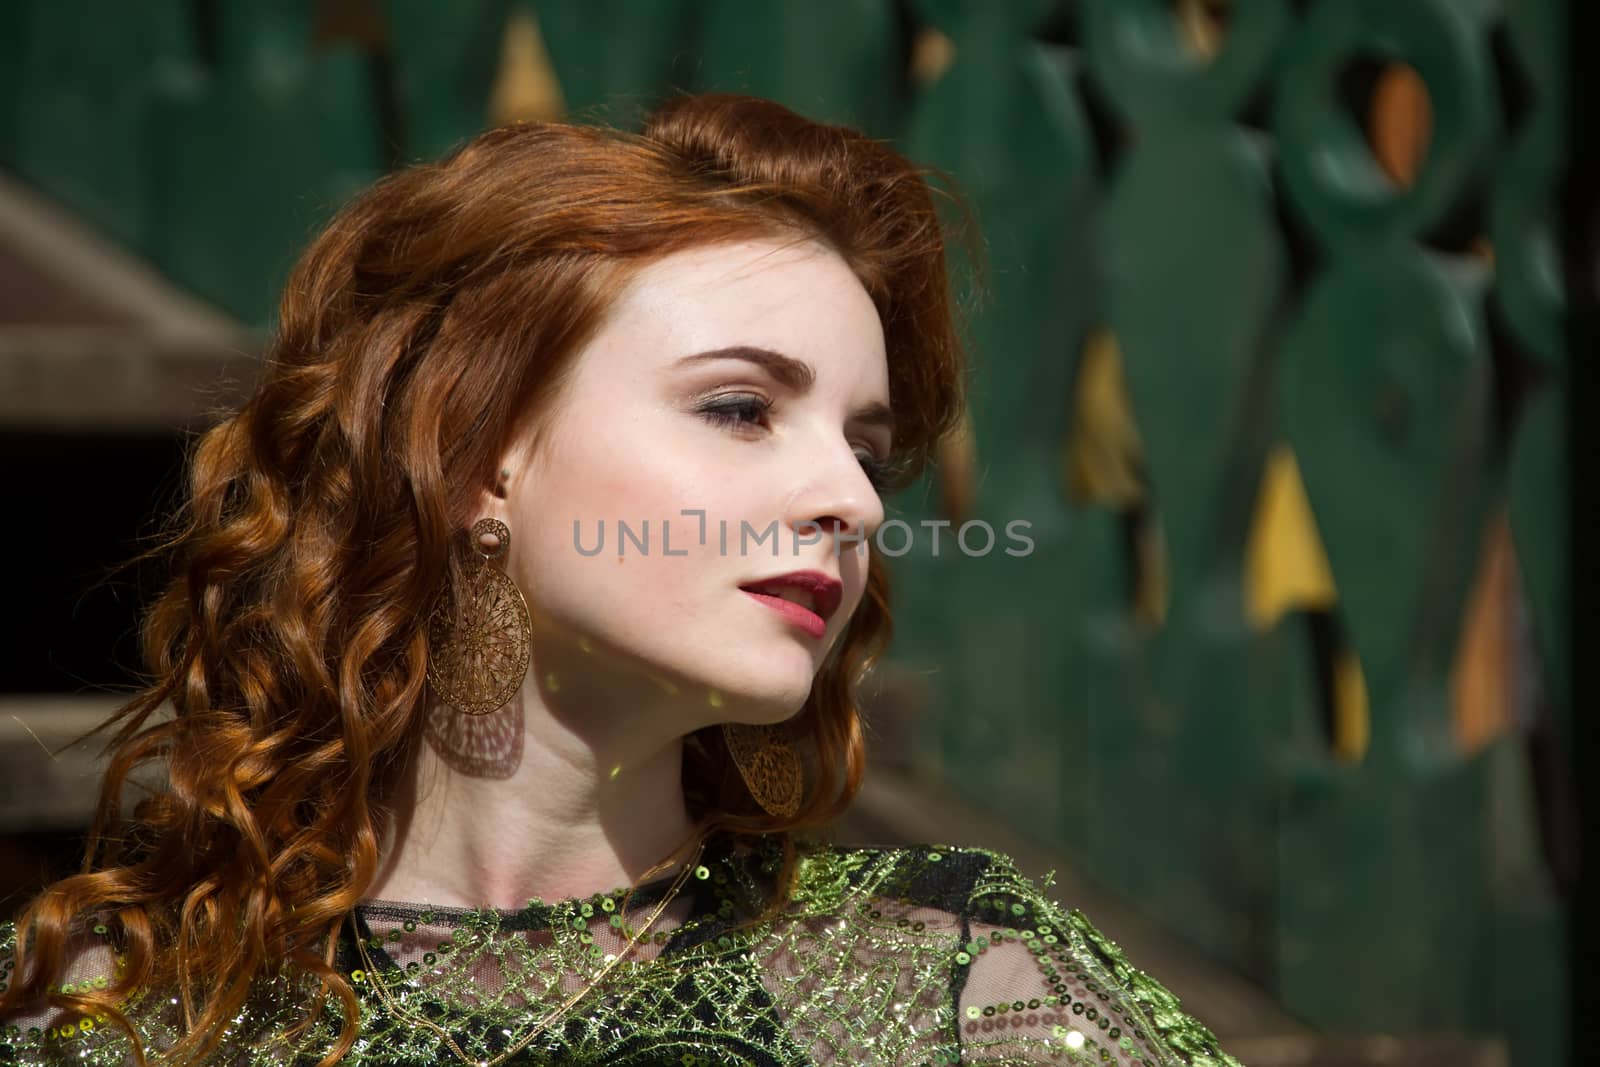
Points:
[(769, 697)]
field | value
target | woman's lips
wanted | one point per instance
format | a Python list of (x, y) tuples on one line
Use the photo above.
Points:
[(809, 621)]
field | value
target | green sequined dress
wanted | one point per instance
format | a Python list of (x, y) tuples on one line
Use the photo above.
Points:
[(925, 955)]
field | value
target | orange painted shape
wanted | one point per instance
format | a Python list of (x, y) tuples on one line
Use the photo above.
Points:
[(1400, 123), (1481, 678)]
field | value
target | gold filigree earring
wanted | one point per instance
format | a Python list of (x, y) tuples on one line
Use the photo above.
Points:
[(480, 636), (769, 766)]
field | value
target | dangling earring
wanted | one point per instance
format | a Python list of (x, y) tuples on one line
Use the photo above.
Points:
[(480, 636), (768, 765)]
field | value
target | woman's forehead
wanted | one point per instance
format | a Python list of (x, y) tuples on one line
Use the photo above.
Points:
[(794, 296), (707, 271)]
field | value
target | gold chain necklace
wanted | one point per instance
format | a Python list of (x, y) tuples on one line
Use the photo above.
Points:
[(413, 1019)]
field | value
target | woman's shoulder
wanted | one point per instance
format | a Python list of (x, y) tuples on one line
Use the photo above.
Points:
[(41, 1033), (961, 880), (44, 1035), (963, 886), (1032, 976)]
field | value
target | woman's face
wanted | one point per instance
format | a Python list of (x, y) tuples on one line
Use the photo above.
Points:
[(716, 435)]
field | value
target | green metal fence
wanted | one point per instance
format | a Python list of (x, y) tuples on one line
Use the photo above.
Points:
[(1268, 373)]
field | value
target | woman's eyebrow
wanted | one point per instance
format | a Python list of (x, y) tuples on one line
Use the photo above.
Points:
[(793, 374), (789, 372)]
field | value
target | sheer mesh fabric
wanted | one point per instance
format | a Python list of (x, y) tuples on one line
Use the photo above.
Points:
[(925, 955)]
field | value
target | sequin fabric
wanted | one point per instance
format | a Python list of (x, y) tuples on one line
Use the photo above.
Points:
[(923, 955)]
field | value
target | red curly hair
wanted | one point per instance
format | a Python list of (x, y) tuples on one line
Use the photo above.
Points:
[(432, 320)]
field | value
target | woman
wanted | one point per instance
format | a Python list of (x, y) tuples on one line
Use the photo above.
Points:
[(538, 564)]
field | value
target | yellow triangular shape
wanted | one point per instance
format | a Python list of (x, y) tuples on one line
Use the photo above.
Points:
[(1285, 566), (525, 88), (1103, 449)]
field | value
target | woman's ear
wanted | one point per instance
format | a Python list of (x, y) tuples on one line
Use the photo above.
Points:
[(509, 477), (493, 498)]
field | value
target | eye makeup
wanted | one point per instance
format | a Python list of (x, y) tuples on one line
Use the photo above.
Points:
[(735, 409), (742, 411)]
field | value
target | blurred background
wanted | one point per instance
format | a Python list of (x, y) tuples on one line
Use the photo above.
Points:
[(1269, 349)]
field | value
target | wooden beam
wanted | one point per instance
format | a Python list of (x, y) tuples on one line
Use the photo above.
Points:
[(91, 337)]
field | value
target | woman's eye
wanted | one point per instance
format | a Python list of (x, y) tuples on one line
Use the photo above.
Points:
[(745, 410), (736, 410)]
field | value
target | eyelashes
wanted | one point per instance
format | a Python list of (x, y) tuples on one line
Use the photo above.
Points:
[(737, 409), (743, 411)]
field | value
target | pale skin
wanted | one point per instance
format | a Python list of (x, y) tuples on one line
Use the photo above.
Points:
[(583, 792)]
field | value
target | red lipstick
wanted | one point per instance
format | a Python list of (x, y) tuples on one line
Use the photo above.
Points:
[(822, 592)]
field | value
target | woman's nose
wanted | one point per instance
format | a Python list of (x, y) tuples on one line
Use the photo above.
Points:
[(837, 500)]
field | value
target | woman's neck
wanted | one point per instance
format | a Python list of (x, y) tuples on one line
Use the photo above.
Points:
[(514, 805)]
